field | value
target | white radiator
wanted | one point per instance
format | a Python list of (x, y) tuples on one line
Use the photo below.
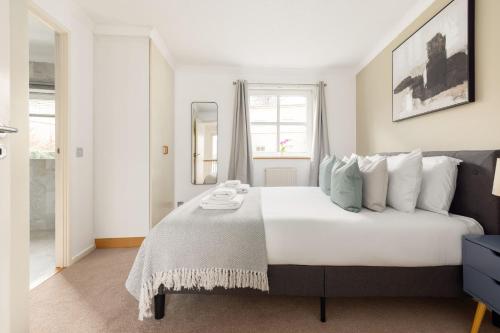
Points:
[(281, 177)]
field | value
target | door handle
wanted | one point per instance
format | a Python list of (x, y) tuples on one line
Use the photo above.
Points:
[(7, 129)]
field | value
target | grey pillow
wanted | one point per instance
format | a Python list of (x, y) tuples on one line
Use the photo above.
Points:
[(375, 182), (347, 185), (325, 170)]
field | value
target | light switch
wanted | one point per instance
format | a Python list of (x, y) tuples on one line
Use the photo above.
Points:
[(79, 152)]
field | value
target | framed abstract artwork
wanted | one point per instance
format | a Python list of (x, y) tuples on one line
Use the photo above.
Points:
[(433, 69)]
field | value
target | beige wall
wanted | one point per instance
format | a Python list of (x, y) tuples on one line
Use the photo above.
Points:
[(471, 126), (161, 131)]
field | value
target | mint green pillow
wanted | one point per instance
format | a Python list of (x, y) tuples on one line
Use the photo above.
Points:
[(325, 170), (346, 189)]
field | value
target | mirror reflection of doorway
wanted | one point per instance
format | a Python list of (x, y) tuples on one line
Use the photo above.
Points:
[(204, 143), (43, 156)]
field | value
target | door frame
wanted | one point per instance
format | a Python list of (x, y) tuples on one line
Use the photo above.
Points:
[(62, 101)]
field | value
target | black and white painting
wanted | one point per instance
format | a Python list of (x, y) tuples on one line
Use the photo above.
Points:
[(433, 69)]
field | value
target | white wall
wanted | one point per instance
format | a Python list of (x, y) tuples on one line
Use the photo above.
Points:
[(121, 134), (215, 84), (80, 29), (340, 97)]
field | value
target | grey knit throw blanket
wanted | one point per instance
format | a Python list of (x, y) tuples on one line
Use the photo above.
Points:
[(193, 248)]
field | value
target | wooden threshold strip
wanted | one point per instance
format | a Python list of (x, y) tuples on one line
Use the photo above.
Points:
[(44, 278), (113, 243)]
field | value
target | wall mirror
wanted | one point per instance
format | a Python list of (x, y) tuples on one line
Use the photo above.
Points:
[(204, 143)]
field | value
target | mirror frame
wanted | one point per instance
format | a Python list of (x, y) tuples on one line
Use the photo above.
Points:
[(193, 176)]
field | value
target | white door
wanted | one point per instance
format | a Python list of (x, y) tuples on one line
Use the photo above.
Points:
[(4, 169), (14, 172)]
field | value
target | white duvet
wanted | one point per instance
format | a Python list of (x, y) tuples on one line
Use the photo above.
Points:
[(303, 227)]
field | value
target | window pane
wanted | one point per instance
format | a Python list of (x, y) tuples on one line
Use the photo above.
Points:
[(42, 104), (293, 109), (42, 137), (42, 125), (263, 108), (214, 147), (264, 138), (293, 138)]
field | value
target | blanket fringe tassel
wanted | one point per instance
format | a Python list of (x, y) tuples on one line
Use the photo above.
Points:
[(206, 279)]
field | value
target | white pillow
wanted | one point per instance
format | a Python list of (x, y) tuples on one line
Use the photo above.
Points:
[(375, 181), (405, 178), (439, 182)]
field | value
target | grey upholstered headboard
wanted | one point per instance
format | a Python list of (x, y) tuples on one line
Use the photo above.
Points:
[(473, 196)]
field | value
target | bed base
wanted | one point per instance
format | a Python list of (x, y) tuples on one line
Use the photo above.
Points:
[(345, 281), (322, 309), (160, 307), (159, 302)]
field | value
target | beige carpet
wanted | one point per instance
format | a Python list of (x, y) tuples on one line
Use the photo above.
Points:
[(90, 297)]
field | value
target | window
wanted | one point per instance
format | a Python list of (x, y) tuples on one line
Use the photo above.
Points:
[(281, 122), (42, 112)]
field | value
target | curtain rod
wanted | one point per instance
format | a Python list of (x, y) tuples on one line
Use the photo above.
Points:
[(283, 84)]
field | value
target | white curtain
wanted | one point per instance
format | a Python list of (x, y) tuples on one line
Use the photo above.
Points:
[(320, 143), (241, 161)]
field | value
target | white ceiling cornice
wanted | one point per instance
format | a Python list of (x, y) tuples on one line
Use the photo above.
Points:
[(82, 15), (56, 12), (138, 31), (162, 46), (122, 30), (405, 21)]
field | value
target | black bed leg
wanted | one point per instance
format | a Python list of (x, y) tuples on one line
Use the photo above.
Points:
[(160, 303), (495, 318), (322, 304)]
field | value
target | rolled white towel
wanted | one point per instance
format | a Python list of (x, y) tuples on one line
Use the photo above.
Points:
[(216, 200), (234, 203), (224, 193), (232, 183), (220, 200), (243, 188)]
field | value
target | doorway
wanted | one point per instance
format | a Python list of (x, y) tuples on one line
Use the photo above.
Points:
[(47, 109)]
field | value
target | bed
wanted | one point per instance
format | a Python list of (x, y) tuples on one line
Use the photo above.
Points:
[(303, 227), (316, 249)]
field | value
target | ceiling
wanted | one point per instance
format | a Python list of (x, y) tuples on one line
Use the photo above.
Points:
[(264, 33)]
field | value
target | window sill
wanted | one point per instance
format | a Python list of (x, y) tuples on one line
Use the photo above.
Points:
[(281, 157)]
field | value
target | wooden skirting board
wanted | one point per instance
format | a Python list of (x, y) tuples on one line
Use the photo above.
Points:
[(112, 243)]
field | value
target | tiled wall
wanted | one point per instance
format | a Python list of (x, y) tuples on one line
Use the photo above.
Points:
[(42, 194)]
